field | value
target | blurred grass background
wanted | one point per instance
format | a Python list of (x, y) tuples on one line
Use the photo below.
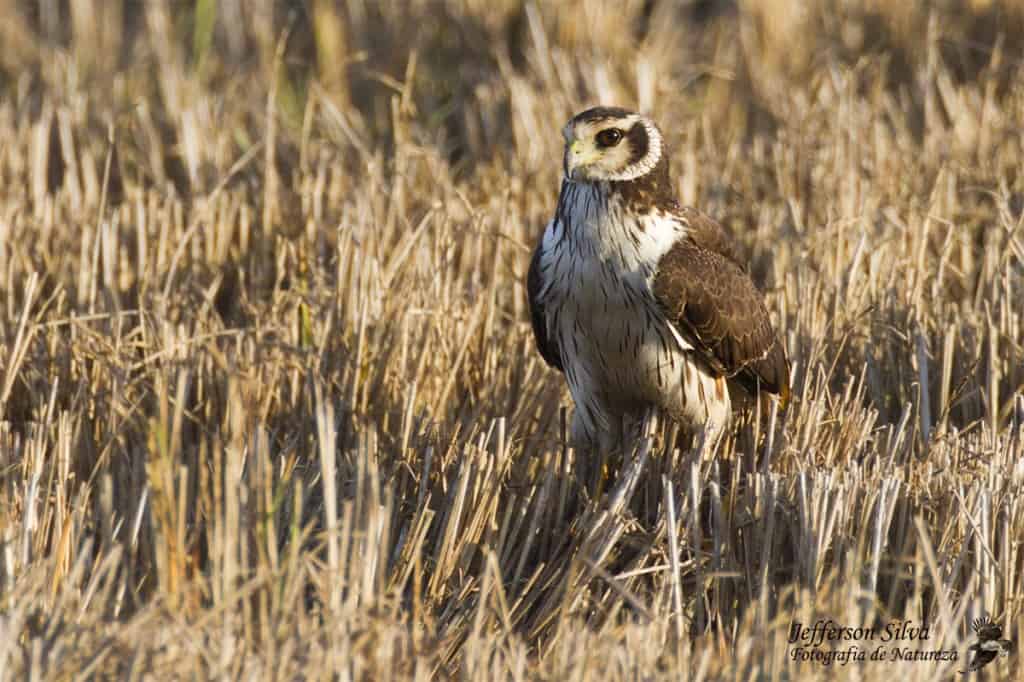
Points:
[(269, 402)]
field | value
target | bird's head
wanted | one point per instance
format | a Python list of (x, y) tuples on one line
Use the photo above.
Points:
[(610, 144)]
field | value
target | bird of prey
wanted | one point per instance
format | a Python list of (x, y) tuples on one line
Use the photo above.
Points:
[(989, 645), (642, 303)]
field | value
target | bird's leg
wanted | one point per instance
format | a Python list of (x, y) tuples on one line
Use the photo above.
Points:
[(648, 424), (632, 433), (708, 439), (603, 472), (612, 446)]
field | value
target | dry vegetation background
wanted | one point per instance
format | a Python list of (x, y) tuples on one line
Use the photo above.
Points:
[(269, 402)]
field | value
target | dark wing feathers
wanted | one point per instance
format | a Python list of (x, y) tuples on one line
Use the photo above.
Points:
[(987, 630), (708, 234), (548, 347), (982, 657), (711, 298)]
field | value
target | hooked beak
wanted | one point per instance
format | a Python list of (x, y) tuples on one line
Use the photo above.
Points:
[(575, 157)]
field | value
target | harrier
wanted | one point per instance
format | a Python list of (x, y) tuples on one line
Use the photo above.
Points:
[(640, 302)]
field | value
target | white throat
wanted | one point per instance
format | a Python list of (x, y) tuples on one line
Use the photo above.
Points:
[(597, 226)]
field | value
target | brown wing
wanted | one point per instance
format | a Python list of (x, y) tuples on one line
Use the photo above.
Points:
[(708, 233), (547, 346), (715, 304)]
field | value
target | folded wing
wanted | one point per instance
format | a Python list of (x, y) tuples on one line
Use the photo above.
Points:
[(547, 345), (713, 302)]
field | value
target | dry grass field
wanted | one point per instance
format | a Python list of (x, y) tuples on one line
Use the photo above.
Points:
[(270, 406)]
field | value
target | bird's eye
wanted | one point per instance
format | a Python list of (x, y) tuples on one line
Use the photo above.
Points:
[(609, 137)]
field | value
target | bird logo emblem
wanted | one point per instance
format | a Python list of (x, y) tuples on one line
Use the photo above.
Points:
[(990, 644)]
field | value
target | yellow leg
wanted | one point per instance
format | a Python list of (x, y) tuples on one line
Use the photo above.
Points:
[(603, 478)]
